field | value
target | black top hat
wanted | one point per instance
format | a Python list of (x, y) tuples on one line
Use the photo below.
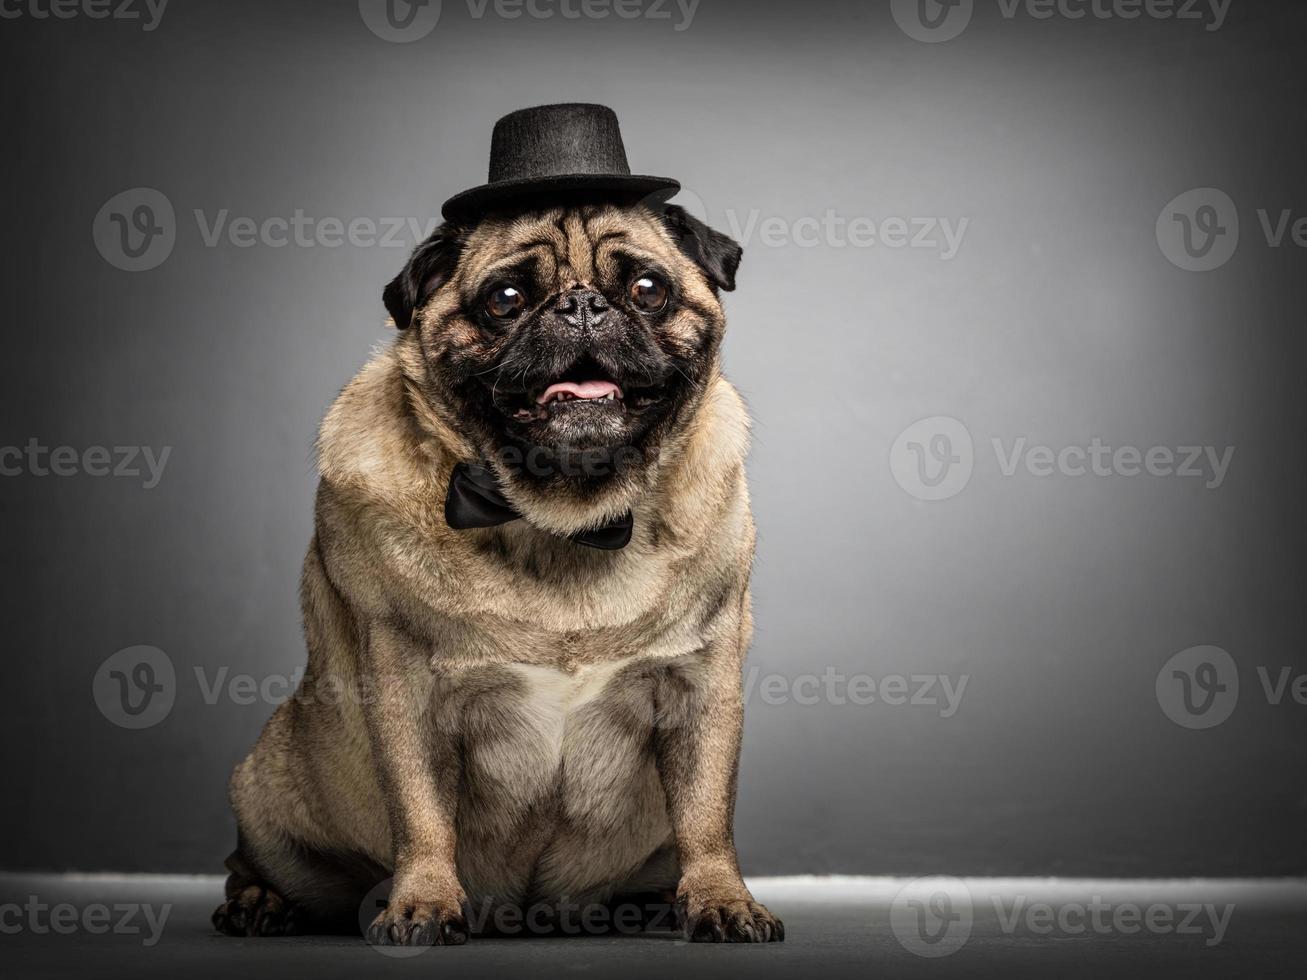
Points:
[(557, 152)]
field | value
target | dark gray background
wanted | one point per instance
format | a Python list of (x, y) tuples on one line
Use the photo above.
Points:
[(1059, 320)]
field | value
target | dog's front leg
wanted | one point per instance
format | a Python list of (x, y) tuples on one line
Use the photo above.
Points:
[(701, 717), (418, 769)]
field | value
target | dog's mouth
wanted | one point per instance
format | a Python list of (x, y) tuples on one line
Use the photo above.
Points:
[(582, 390)]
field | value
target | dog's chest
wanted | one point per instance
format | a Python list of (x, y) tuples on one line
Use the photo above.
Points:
[(559, 791), (571, 741), (552, 713)]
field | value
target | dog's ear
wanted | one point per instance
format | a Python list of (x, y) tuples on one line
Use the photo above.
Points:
[(716, 254), (429, 268)]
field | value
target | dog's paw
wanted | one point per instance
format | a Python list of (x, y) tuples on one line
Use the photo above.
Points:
[(255, 910), (728, 920), (416, 923)]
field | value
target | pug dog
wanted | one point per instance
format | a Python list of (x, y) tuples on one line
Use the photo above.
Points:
[(526, 600)]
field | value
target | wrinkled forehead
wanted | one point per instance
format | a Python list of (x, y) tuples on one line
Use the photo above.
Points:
[(584, 245)]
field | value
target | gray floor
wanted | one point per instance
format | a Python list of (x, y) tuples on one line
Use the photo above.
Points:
[(835, 927)]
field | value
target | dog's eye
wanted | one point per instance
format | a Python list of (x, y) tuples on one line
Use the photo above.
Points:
[(505, 302), (649, 294)]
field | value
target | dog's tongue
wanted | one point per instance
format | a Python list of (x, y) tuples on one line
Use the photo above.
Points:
[(580, 389)]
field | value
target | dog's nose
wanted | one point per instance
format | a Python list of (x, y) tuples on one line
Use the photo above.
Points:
[(582, 307)]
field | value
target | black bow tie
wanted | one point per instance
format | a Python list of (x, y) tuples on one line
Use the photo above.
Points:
[(475, 500)]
